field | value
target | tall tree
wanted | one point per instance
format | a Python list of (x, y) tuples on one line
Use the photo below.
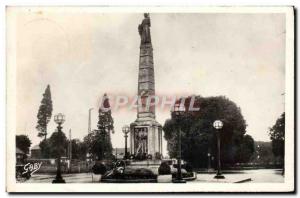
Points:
[(23, 143), (99, 141), (57, 143), (263, 154), (79, 149), (45, 148), (277, 135), (199, 136), (246, 149), (44, 113)]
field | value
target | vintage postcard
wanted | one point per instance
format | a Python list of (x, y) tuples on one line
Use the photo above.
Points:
[(150, 99)]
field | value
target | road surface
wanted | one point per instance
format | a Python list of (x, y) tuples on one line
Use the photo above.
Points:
[(257, 176)]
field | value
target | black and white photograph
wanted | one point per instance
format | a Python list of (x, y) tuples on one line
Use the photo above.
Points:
[(157, 99)]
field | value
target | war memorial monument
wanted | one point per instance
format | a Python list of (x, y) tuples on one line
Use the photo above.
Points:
[(208, 149), (145, 131)]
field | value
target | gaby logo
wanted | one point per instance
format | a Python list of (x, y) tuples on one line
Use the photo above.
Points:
[(32, 168)]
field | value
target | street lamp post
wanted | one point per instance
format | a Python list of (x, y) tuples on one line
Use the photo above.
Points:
[(179, 111), (209, 155), (208, 161), (125, 130), (218, 124), (89, 124), (59, 119)]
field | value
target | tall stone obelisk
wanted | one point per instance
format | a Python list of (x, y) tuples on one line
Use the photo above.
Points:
[(146, 132)]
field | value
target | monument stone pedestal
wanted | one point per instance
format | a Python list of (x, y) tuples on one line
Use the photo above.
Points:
[(146, 137)]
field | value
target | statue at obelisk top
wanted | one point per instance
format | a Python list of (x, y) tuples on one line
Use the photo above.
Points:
[(146, 132), (144, 29)]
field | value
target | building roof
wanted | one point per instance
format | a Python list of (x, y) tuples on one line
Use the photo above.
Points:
[(119, 151), (19, 151), (36, 147)]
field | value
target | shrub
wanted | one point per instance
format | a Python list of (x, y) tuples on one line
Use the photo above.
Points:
[(140, 156), (131, 157), (184, 175), (188, 167), (164, 169), (139, 172), (99, 168), (129, 174), (149, 157), (109, 165), (158, 156), (120, 164)]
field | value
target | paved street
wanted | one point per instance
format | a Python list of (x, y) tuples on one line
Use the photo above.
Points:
[(257, 176), (69, 178)]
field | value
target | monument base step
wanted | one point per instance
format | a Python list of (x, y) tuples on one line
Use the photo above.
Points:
[(152, 165), (145, 163)]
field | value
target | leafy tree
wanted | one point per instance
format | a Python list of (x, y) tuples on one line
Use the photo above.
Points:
[(99, 141), (23, 143), (277, 135), (246, 149), (57, 143), (82, 151), (79, 149), (95, 141), (263, 153), (45, 148), (44, 113), (198, 134)]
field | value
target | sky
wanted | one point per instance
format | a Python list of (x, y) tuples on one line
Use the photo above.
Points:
[(83, 55)]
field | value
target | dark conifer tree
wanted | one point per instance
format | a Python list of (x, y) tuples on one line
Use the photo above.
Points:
[(44, 113), (105, 127)]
